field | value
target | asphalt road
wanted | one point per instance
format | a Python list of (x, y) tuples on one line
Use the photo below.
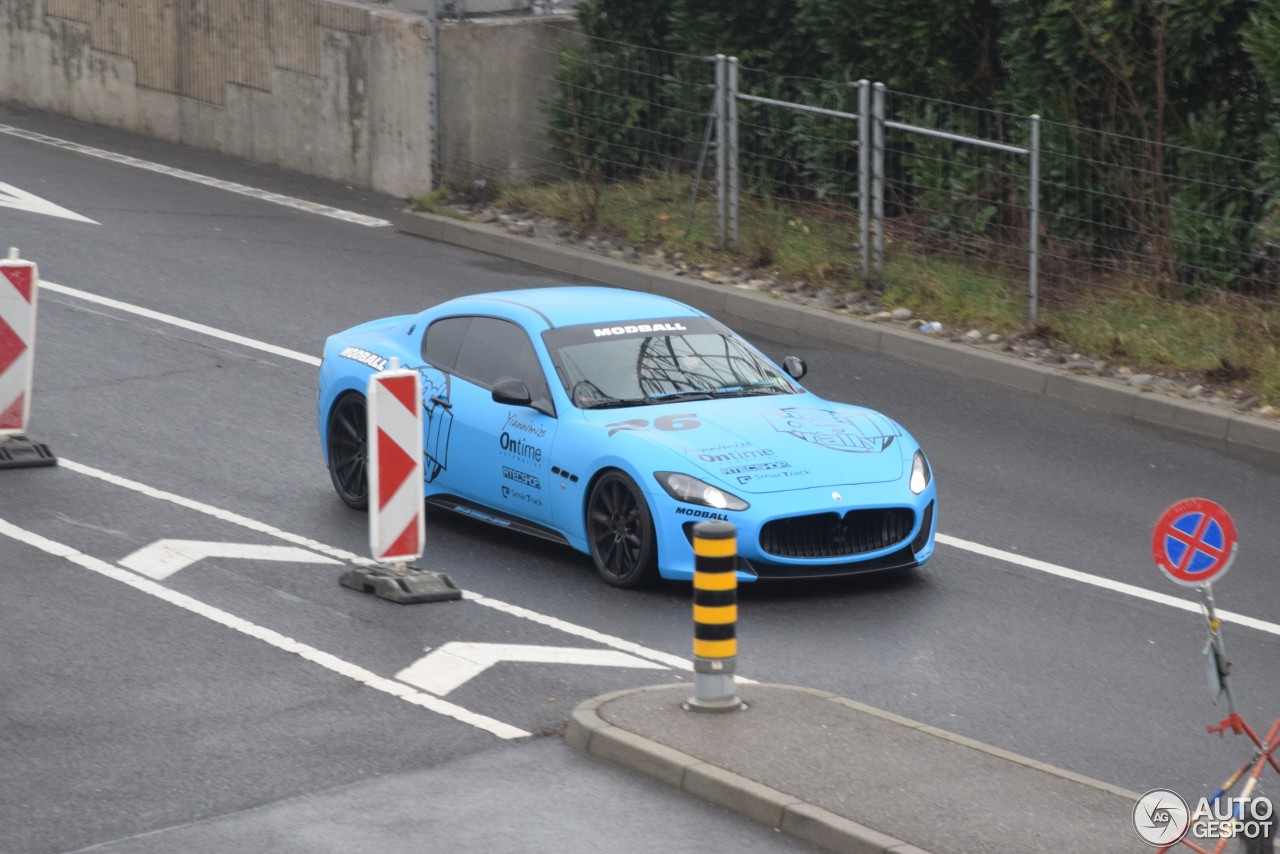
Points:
[(128, 708)]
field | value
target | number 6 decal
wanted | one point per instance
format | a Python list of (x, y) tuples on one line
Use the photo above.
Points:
[(683, 421), (677, 422)]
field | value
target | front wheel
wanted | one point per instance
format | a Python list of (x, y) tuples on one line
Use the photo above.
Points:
[(620, 532), (349, 450)]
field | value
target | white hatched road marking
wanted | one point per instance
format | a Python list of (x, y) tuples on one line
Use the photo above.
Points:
[(454, 664), (217, 183), (664, 658), (163, 558), (268, 636)]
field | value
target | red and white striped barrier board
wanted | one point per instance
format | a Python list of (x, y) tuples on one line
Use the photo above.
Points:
[(396, 524), (17, 341)]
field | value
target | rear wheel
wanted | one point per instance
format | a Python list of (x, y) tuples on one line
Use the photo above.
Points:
[(620, 532), (349, 450)]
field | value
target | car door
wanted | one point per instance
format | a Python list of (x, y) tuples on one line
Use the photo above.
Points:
[(499, 454)]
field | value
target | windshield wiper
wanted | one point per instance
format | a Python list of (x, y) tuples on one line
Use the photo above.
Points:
[(618, 403), (668, 397), (700, 394), (765, 387)]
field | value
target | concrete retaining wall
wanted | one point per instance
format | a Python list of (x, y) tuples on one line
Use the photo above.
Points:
[(323, 87), (494, 76)]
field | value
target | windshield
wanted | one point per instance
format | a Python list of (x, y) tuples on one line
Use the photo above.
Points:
[(633, 365)]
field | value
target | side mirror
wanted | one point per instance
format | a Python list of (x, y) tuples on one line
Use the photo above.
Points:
[(795, 367), (512, 392)]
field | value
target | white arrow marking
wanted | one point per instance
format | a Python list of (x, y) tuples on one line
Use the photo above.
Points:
[(454, 663), (12, 197), (165, 557)]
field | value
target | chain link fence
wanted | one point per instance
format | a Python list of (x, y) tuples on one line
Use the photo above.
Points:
[(877, 182)]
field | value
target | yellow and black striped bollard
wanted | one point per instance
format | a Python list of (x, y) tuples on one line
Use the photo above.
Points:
[(715, 618)]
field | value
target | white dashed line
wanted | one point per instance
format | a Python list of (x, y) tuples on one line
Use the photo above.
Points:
[(217, 183), (944, 539), (179, 322), (1105, 583)]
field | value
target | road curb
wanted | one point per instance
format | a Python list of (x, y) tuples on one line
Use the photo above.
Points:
[(755, 314), (592, 734)]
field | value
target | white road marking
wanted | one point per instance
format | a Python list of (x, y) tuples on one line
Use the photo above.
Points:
[(165, 557), (268, 636), (618, 643), (673, 661), (453, 664), (215, 512), (229, 186), (1105, 583), (179, 322), (12, 197), (263, 528)]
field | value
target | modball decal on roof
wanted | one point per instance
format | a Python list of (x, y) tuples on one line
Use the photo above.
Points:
[(639, 328)]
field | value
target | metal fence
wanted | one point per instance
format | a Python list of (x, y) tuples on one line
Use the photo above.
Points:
[(882, 182)]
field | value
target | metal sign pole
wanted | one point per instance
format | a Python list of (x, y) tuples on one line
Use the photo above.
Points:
[(1216, 653)]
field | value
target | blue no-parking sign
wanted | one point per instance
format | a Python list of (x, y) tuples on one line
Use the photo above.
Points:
[(1194, 542)]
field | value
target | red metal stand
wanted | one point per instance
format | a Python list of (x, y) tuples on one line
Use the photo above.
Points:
[(1262, 756)]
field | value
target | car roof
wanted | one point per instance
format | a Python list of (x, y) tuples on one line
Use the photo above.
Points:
[(573, 304)]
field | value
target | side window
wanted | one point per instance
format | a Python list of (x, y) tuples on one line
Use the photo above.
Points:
[(493, 349), (442, 341)]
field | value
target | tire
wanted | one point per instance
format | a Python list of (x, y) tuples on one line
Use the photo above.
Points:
[(349, 450), (620, 532)]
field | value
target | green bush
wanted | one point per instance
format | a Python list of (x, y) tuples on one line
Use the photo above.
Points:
[(1162, 118)]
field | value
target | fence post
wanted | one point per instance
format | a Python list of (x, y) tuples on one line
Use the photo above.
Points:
[(722, 154), (1033, 223), (715, 618), (731, 118), (877, 184), (864, 177)]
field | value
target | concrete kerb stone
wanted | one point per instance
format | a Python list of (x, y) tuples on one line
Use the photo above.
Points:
[(831, 832), (757, 314), (1004, 370), (1253, 440), (1183, 416), (746, 797), (642, 755), (1092, 393)]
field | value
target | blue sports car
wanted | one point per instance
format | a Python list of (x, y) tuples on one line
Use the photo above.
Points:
[(614, 421)]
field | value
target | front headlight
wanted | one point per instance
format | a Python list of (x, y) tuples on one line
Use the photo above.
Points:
[(690, 490), (920, 473)]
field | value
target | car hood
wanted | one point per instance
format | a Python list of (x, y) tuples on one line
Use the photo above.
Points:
[(765, 443)]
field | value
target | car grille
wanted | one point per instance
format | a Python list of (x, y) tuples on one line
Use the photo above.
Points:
[(832, 535)]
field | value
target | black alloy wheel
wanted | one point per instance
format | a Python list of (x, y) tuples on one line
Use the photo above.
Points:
[(620, 532), (349, 450)]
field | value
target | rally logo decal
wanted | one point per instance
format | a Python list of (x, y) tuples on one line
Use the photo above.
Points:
[(847, 430)]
